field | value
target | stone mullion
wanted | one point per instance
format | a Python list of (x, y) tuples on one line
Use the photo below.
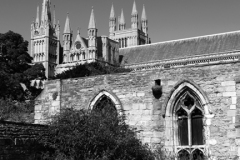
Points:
[(189, 130)]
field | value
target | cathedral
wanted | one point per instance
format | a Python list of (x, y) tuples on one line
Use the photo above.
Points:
[(183, 96), (46, 47)]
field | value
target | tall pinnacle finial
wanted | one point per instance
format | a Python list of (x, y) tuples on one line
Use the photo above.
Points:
[(43, 10), (122, 19), (54, 16), (92, 23), (144, 16), (78, 30), (37, 18), (67, 28), (112, 13), (134, 10)]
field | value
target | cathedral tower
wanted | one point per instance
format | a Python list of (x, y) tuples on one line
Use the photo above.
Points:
[(92, 37), (133, 36), (45, 44), (67, 40)]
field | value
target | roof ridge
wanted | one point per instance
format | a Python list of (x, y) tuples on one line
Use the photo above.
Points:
[(184, 39)]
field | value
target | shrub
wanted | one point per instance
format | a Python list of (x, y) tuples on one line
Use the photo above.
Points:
[(91, 69), (16, 111), (85, 135)]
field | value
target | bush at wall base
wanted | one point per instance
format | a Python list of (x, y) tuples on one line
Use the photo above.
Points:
[(95, 135)]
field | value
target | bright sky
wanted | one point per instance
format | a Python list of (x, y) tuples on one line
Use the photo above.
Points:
[(168, 19)]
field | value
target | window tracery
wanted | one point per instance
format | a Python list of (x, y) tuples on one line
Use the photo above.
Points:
[(189, 115)]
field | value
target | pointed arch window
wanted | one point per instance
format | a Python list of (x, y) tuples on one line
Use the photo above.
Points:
[(105, 105), (189, 127)]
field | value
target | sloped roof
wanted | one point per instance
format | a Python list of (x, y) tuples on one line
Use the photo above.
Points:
[(183, 48)]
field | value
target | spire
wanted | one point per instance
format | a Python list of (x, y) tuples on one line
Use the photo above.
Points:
[(92, 23), (67, 28), (37, 17), (43, 11), (54, 16), (78, 30), (112, 14), (144, 16), (46, 11), (134, 10), (122, 19)]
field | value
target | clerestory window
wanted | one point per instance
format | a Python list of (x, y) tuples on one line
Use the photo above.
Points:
[(190, 128)]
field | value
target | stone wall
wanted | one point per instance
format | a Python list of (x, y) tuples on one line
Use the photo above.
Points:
[(133, 90), (15, 140)]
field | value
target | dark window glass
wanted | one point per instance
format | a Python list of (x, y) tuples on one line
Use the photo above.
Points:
[(182, 127), (106, 106), (197, 127)]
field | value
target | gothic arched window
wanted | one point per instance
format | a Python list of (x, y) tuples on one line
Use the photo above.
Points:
[(105, 105), (189, 127)]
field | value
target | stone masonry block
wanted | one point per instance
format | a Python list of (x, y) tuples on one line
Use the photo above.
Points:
[(230, 88), (238, 135), (38, 108), (158, 134), (231, 134), (233, 119), (237, 141), (146, 112), (142, 106), (233, 106), (228, 83), (237, 118), (234, 100), (156, 140), (146, 139), (146, 118), (140, 94), (157, 112), (237, 79), (56, 103), (137, 112), (231, 113), (147, 134), (37, 116), (229, 94), (135, 106), (121, 96), (127, 107)]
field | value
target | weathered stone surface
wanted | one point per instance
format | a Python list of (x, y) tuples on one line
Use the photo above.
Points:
[(228, 83), (14, 138), (145, 112)]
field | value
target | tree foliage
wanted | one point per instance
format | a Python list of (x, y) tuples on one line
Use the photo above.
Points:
[(91, 69), (93, 136), (15, 69)]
